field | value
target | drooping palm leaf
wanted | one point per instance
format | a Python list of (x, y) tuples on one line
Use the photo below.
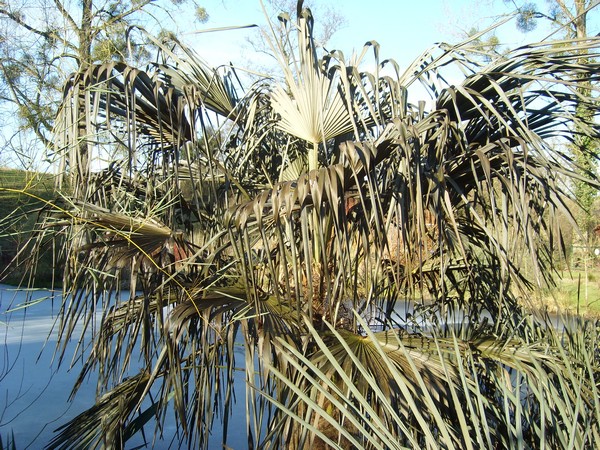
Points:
[(471, 371), (103, 425), (223, 232), (191, 76)]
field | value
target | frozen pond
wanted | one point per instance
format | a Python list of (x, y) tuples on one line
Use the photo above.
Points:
[(34, 391)]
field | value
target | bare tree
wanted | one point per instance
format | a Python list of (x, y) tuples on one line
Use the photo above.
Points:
[(287, 11), (41, 45)]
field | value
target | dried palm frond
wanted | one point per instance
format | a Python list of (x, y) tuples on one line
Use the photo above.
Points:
[(272, 216), (103, 425)]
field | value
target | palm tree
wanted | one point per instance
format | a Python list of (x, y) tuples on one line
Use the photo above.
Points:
[(299, 217)]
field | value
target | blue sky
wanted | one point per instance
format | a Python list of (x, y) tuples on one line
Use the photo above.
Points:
[(403, 28)]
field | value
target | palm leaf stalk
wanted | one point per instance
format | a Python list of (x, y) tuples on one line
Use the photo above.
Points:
[(301, 223)]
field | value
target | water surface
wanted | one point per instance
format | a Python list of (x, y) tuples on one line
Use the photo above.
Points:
[(34, 390)]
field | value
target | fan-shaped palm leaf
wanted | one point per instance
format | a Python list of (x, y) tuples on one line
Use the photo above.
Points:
[(221, 229)]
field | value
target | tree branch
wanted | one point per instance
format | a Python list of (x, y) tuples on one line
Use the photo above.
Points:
[(66, 14), (127, 13), (565, 9), (20, 99), (48, 35), (19, 21)]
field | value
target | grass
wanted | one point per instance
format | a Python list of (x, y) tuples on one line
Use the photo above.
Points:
[(575, 293), (15, 185), (21, 194)]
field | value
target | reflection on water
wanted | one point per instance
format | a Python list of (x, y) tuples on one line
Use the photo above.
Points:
[(34, 391)]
